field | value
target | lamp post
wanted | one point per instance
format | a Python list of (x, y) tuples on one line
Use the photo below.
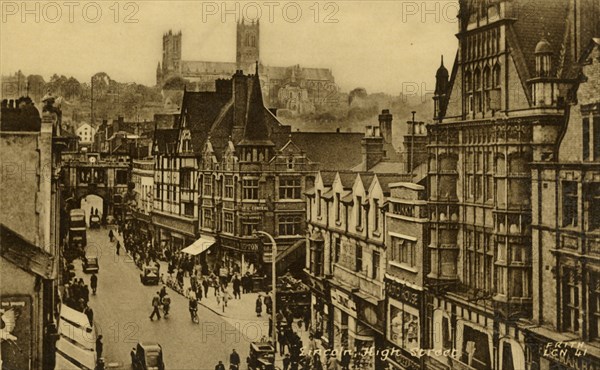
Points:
[(273, 284)]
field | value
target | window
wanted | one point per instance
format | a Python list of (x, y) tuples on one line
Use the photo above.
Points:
[(358, 258), (316, 258), (479, 260), (569, 203), (290, 225), (121, 177), (358, 212), (404, 326), (207, 189), (186, 179), (595, 305), (596, 144), (289, 189), (337, 249), (570, 301), (593, 195), (338, 206), (475, 349), (158, 191), (250, 189), (586, 139), (376, 261), (249, 226), (207, 220), (318, 203), (229, 187), (228, 227), (403, 251), (188, 209), (376, 215)]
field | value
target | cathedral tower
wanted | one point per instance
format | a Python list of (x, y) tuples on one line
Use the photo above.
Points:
[(247, 52), (171, 62)]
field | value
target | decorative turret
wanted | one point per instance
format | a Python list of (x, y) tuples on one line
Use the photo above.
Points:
[(441, 89), (544, 86)]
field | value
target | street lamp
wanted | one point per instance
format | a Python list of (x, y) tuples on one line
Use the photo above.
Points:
[(273, 284)]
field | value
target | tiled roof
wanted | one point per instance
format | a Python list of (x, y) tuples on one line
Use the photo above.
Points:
[(199, 110), (332, 150)]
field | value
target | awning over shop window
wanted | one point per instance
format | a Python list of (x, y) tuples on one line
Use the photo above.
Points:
[(81, 358), (200, 245), (63, 363)]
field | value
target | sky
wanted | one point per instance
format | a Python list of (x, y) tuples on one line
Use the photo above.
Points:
[(382, 46)]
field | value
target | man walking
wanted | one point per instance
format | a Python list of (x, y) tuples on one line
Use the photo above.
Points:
[(99, 346), (111, 235), (236, 286), (90, 314), (155, 304), (205, 285), (234, 360), (94, 283), (118, 247), (220, 366), (166, 301)]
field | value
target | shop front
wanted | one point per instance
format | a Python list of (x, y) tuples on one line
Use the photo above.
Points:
[(555, 351), (172, 232), (350, 333), (405, 326)]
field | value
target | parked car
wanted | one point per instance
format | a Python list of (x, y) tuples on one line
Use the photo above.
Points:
[(147, 356), (94, 222), (150, 274), (261, 356), (90, 264)]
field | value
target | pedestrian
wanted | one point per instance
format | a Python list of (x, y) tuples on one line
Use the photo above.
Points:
[(258, 306), (166, 301), (282, 341), (94, 283), (286, 361), (111, 235), (132, 354), (118, 247), (224, 299), (163, 292), (234, 360), (90, 314), (346, 357), (220, 366), (268, 304), (99, 346), (205, 285), (155, 304), (306, 319), (236, 287), (85, 294)]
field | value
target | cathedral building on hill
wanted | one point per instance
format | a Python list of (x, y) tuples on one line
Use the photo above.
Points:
[(295, 88)]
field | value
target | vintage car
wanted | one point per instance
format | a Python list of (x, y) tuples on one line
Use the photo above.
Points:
[(90, 264), (94, 222), (150, 274), (147, 356), (261, 356)]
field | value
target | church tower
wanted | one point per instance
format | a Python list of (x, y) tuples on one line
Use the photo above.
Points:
[(171, 62), (247, 52)]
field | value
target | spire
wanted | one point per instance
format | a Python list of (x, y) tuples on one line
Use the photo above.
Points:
[(256, 127), (256, 68), (442, 60)]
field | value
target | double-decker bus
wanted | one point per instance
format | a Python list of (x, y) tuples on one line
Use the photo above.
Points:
[(77, 230)]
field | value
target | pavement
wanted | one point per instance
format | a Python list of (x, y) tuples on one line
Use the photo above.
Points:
[(122, 308), (123, 304)]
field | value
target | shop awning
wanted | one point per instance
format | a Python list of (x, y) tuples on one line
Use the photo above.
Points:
[(200, 245), (75, 318), (80, 357), (64, 363)]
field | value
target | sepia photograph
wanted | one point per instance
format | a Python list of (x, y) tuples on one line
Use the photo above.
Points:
[(300, 185)]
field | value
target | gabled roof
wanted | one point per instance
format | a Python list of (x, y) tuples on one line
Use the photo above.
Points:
[(255, 128), (199, 110)]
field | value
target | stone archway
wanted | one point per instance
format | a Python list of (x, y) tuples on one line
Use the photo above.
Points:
[(93, 202)]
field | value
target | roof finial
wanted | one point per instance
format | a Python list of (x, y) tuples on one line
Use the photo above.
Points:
[(257, 67), (442, 60)]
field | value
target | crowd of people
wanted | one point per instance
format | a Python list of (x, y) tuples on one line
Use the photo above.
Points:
[(77, 295)]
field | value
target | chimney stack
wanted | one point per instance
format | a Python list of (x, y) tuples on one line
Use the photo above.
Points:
[(385, 125), (372, 147)]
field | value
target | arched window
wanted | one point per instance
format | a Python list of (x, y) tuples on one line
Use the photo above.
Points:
[(496, 76), (477, 89)]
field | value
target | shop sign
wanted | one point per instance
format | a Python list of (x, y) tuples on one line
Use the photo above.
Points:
[(249, 247), (255, 207), (397, 358), (403, 293), (343, 300), (16, 339)]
